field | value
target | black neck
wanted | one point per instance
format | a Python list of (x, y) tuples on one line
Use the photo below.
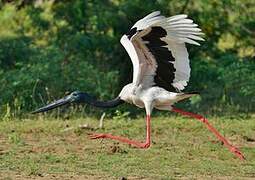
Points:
[(106, 104)]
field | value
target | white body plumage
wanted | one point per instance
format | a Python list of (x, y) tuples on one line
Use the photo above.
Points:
[(151, 97)]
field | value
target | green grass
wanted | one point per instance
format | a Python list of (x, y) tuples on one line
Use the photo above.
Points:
[(182, 147)]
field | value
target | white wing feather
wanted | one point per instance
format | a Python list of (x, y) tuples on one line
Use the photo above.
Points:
[(148, 20), (180, 29), (133, 55)]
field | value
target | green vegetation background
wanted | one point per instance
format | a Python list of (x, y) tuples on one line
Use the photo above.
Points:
[(50, 48)]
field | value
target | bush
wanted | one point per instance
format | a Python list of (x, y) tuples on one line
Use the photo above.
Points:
[(49, 48)]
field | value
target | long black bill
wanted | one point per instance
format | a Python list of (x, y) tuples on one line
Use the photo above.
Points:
[(58, 103)]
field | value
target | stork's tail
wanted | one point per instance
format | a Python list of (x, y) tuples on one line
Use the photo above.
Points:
[(182, 96)]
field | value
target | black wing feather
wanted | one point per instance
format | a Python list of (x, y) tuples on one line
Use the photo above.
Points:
[(165, 71)]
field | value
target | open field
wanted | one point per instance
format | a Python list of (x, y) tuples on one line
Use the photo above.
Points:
[(182, 148)]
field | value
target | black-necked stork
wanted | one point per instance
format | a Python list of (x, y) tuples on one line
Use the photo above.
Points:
[(161, 70)]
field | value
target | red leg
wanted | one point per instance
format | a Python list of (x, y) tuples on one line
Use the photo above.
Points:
[(126, 140), (231, 148)]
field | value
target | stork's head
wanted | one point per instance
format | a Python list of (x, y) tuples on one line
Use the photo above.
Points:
[(81, 97), (74, 97)]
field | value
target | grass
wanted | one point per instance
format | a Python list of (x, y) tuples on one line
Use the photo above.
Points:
[(47, 148)]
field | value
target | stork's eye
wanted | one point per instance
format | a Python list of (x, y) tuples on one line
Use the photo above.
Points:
[(75, 94)]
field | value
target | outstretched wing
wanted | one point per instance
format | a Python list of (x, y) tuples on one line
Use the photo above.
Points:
[(156, 46)]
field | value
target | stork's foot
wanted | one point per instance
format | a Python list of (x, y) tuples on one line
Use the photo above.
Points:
[(202, 119), (145, 145), (121, 139), (97, 136), (237, 152)]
